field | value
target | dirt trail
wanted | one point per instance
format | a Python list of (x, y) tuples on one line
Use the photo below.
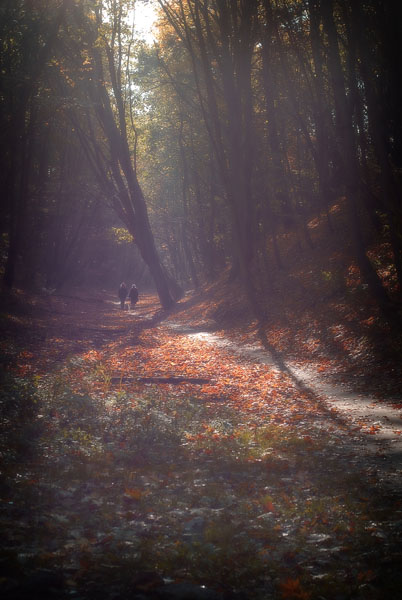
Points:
[(380, 422), (157, 449)]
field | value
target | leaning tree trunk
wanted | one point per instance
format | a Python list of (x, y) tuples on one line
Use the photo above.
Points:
[(144, 239), (128, 198)]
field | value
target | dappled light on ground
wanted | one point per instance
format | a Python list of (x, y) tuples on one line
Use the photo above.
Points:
[(143, 459)]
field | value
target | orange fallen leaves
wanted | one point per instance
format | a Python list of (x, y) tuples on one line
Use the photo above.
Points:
[(267, 504), (366, 576), (255, 390), (134, 493), (291, 590)]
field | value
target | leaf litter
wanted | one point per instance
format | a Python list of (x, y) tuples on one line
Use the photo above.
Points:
[(242, 485)]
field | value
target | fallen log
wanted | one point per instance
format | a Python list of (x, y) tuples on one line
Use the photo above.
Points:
[(172, 380)]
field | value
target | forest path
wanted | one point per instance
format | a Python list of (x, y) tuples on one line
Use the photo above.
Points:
[(75, 324), (376, 425), (378, 421), (158, 457)]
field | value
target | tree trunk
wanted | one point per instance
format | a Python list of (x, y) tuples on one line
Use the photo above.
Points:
[(351, 167), (129, 200), (322, 155), (378, 129), (20, 121)]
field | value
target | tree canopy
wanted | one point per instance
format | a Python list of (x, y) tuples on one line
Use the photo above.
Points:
[(244, 121)]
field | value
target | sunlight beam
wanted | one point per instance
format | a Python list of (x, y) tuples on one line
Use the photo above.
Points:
[(144, 20)]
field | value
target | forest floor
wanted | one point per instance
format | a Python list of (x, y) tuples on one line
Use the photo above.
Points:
[(148, 455)]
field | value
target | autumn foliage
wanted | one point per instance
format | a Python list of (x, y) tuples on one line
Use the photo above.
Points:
[(123, 475)]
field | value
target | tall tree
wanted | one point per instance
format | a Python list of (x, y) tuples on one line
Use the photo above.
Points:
[(220, 38), (28, 41), (348, 150), (104, 43)]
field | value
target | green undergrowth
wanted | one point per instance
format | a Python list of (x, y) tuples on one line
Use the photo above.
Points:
[(99, 488)]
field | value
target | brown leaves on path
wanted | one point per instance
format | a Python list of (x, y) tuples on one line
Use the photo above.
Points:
[(243, 483)]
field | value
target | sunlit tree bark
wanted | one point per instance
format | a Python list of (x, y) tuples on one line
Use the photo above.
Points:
[(117, 167)]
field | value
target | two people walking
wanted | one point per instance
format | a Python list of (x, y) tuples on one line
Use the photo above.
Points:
[(131, 294)]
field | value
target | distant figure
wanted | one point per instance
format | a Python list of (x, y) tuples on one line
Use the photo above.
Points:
[(133, 295), (122, 293)]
